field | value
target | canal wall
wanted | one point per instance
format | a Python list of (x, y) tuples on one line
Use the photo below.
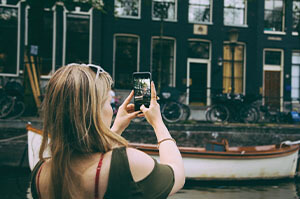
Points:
[(13, 139)]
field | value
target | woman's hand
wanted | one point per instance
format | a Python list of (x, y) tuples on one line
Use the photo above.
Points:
[(125, 114), (152, 113)]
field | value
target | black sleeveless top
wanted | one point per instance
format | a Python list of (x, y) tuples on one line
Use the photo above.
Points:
[(157, 185)]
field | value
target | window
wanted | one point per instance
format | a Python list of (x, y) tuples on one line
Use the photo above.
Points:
[(274, 13), (127, 8), (163, 61), (238, 64), (8, 40), (199, 11), (295, 76), (235, 12), (296, 15), (47, 44), (273, 58), (198, 49), (126, 60), (77, 38), (164, 9)]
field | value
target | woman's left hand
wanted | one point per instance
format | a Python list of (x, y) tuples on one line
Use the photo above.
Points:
[(125, 114)]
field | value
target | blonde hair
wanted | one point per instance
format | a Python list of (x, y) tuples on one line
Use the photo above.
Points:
[(72, 119)]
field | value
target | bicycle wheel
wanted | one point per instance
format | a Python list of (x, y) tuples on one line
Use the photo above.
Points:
[(207, 114), (172, 112), (249, 114), (218, 113), (186, 112), (18, 110), (6, 106)]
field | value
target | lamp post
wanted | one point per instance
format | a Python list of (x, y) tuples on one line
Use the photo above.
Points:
[(233, 37)]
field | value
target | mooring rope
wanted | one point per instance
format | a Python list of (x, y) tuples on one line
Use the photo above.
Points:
[(13, 138)]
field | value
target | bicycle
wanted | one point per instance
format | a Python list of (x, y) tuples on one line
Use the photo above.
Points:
[(234, 108), (11, 101)]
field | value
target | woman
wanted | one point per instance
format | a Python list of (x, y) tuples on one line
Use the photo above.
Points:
[(88, 158)]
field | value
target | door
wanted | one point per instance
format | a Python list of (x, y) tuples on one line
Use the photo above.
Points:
[(272, 89), (198, 83)]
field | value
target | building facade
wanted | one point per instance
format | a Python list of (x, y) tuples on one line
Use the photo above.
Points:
[(184, 43)]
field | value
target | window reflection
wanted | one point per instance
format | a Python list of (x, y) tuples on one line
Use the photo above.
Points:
[(127, 8), (198, 49), (164, 9), (234, 12), (163, 61), (77, 39), (273, 15), (199, 11), (296, 15), (126, 59), (8, 40)]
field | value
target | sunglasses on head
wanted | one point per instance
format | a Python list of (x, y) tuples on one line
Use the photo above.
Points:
[(93, 67)]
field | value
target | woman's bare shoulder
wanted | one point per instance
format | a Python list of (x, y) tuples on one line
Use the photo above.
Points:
[(140, 164)]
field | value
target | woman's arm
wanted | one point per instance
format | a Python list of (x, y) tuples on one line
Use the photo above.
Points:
[(125, 114), (168, 151)]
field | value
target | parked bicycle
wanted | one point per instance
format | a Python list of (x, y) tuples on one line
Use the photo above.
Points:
[(234, 108), (11, 100), (274, 115)]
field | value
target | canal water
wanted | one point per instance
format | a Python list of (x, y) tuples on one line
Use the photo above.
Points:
[(14, 185)]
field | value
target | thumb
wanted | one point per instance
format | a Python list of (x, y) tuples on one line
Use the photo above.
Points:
[(143, 108)]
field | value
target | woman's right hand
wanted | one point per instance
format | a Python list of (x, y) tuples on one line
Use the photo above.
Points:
[(152, 113)]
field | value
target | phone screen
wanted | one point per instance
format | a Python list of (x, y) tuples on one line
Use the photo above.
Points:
[(142, 89)]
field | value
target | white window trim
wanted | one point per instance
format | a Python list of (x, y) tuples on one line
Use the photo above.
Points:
[(175, 50), (283, 22), (129, 17), (89, 14), (167, 20), (114, 51), (18, 6), (268, 67), (200, 60), (210, 13), (245, 25), (244, 62)]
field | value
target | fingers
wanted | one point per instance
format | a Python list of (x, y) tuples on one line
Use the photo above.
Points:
[(128, 99), (153, 92), (133, 114), (130, 108), (143, 108)]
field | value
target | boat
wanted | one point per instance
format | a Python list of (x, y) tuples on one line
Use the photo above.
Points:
[(216, 161)]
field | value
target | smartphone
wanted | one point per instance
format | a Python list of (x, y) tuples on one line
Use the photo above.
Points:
[(142, 89)]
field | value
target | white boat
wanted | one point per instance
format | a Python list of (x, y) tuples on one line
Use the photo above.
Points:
[(231, 163)]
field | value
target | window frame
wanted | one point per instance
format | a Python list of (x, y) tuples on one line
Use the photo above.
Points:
[(243, 62), (114, 51), (269, 67), (282, 32), (245, 24), (128, 17), (173, 81), (18, 6), (167, 20), (210, 14), (75, 12), (297, 64)]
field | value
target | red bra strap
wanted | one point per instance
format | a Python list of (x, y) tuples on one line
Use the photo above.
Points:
[(38, 181), (97, 177)]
